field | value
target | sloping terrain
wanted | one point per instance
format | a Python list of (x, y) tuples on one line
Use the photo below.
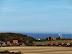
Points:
[(15, 36)]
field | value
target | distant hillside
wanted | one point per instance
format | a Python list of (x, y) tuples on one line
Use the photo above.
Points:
[(15, 36)]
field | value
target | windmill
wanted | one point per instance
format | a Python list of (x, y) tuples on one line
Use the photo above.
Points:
[(60, 36)]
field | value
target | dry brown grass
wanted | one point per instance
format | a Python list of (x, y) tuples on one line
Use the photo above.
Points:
[(39, 50)]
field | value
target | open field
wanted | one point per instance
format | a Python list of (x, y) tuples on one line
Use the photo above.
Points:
[(39, 50), (57, 41)]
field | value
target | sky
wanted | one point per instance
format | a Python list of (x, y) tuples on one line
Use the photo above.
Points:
[(36, 16)]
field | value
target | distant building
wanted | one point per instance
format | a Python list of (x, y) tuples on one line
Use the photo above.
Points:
[(38, 39), (55, 44), (15, 42), (61, 43), (60, 36), (50, 44), (23, 44), (54, 38), (3, 44), (51, 38), (8, 43), (67, 44)]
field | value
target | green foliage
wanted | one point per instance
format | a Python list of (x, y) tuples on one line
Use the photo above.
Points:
[(15, 36), (7, 52)]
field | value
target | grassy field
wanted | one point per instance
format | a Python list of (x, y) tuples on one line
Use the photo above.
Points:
[(57, 41), (39, 50)]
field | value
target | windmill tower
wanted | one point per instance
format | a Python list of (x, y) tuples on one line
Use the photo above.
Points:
[(60, 36)]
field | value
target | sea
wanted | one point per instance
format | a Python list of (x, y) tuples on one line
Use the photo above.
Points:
[(45, 35)]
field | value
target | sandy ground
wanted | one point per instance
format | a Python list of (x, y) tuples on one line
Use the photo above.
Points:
[(39, 50)]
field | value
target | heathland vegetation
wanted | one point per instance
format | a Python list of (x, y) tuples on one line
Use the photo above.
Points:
[(27, 40), (15, 36)]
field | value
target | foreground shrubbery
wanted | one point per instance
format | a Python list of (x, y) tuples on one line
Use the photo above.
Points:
[(7, 52)]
